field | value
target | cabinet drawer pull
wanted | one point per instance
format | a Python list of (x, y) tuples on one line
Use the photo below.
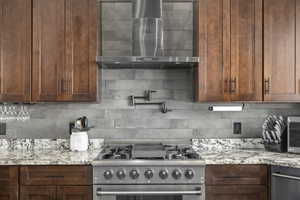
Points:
[(232, 177), (54, 176)]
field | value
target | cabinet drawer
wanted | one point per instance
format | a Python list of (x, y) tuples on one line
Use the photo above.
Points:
[(236, 175), (239, 192), (56, 175), (9, 176)]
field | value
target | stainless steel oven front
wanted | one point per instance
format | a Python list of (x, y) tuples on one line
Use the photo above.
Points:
[(148, 192)]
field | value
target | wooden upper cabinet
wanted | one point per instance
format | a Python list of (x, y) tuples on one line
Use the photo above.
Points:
[(230, 48), (244, 49), (212, 77), (48, 49), (15, 50), (64, 50), (281, 50)]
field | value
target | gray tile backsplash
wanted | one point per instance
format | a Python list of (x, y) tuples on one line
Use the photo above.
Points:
[(113, 118)]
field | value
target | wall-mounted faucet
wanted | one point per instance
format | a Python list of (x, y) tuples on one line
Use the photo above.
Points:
[(148, 97)]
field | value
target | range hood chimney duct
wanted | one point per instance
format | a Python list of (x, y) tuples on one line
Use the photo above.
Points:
[(147, 48), (148, 32)]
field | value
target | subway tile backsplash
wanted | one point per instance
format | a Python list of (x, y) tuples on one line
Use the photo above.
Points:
[(113, 118)]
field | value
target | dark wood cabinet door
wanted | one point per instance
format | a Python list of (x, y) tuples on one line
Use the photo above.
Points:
[(281, 50), (64, 50), (38, 193), (230, 48), (9, 176), (9, 182), (15, 50), (8, 193), (74, 192), (48, 49), (56, 175), (245, 48), (79, 81), (236, 175), (247, 192), (212, 75)]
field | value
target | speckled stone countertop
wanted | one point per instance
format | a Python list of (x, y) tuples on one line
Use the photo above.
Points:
[(253, 156), (47, 157), (209, 156)]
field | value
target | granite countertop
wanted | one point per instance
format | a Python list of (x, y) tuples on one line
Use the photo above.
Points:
[(47, 157), (209, 157), (253, 156), (212, 151)]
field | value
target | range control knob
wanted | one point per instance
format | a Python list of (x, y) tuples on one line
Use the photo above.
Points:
[(163, 174), (121, 174), (148, 174), (189, 174), (108, 174), (134, 174), (176, 174)]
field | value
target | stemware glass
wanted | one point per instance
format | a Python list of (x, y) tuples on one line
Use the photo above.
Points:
[(13, 112)]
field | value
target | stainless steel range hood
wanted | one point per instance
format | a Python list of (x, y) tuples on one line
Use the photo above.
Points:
[(147, 40)]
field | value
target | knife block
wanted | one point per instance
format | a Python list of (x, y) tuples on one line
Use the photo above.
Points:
[(279, 148)]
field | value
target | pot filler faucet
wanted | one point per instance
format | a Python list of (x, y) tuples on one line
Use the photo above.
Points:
[(148, 97)]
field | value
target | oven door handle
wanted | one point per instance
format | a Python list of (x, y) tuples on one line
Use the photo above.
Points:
[(194, 192), (286, 176)]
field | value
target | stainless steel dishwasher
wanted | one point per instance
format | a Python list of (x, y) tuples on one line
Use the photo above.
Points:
[(285, 183)]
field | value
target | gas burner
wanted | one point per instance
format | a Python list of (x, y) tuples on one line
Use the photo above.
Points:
[(117, 153), (182, 153), (148, 152)]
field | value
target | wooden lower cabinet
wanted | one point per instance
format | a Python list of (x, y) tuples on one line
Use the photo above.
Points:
[(74, 192), (245, 192), (56, 175), (9, 186), (56, 183), (38, 193), (8, 193), (236, 182), (56, 193)]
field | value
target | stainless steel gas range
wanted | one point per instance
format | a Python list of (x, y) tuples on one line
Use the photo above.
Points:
[(148, 172)]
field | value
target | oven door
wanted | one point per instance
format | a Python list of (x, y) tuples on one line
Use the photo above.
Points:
[(148, 192)]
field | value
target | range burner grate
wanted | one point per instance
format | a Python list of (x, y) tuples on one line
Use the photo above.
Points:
[(148, 152)]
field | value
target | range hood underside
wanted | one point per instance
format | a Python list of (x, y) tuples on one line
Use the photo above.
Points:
[(146, 62)]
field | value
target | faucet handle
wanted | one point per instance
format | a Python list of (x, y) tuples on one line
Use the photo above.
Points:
[(164, 108), (148, 94)]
